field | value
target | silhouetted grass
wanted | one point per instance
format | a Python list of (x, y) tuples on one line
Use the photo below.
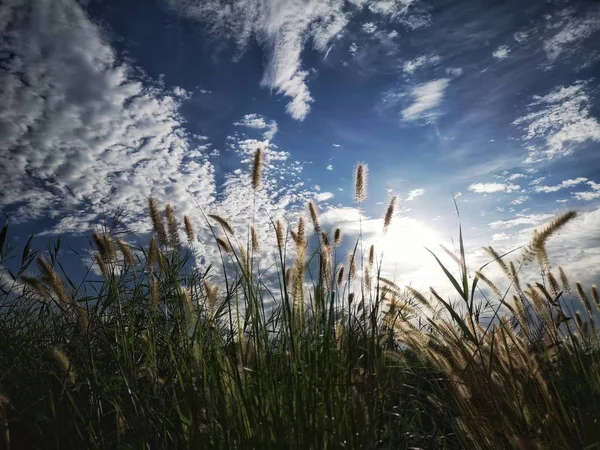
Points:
[(160, 355)]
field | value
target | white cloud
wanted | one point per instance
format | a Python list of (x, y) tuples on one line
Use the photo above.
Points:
[(426, 98), (422, 61), (562, 120), (369, 27), (589, 195), (414, 194), (515, 176), (531, 219), (576, 30), (519, 200), (84, 136), (500, 237), (489, 188), (454, 71), (323, 196), (82, 132), (283, 28), (258, 122), (563, 185), (330, 167), (521, 36), (336, 145), (501, 52), (353, 48)]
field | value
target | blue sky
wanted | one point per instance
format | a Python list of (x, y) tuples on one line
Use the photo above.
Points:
[(496, 103)]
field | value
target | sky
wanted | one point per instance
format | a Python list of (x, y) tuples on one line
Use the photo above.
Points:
[(492, 104)]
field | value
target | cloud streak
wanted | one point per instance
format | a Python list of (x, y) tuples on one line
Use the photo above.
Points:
[(283, 28)]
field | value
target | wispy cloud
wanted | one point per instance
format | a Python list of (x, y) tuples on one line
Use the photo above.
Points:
[(571, 34), (426, 98), (563, 185), (414, 194), (490, 188), (283, 27), (589, 195), (561, 119), (530, 219), (422, 61)]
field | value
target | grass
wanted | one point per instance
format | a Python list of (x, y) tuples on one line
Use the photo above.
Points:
[(157, 354)]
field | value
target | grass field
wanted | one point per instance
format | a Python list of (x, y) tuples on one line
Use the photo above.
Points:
[(154, 354)]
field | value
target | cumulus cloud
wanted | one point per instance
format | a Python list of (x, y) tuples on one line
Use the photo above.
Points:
[(282, 28), (563, 185), (426, 98), (369, 27), (589, 195), (490, 188), (561, 120), (79, 130), (501, 52), (83, 135)]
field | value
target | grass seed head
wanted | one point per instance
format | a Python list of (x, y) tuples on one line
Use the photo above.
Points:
[(360, 183), (371, 256), (128, 256), (257, 169), (224, 223), (389, 213), (254, 239), (340, 276), (351, 266), (280, 234), (189, 229), (172, 226), (312, 209), (337, 237), (224, 245), (157, 222)]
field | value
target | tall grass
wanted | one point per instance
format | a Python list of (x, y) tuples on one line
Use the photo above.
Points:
[(154, 353)]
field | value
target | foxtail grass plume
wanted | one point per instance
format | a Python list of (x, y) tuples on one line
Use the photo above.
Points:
[(223, 222), (337, 237), (254, 239), (301, 235), (211, 296), (172, 226), (153, 253), (325, 239), (189, 229), (101, 264), (351, 266), (367, 278), (389, 213), (312, 209), (360, 183), (224, 245), (257, 169), (595, 296), (157, 222), (51, 278), (371, 256), (279, 234), (128, 256), (155, 292), (340, 276), (65, 365)]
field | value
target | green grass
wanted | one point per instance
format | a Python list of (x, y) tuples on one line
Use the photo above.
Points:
[(157, 355)]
